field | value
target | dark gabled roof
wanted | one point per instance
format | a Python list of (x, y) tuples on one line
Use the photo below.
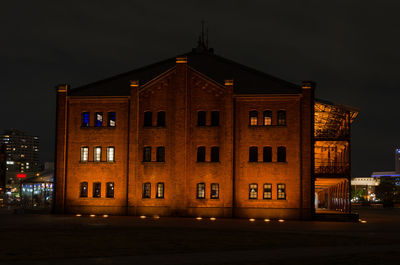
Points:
[(246, 79)]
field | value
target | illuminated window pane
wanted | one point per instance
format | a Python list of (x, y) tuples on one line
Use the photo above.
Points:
[(96, 190), (110, 154), (110, 189), (98, 119), (201, 191), (83, 190), (146, 190), (111, 119), (267, 117), (253, 116), (267, 191), (97, 154), (281, 192), (253, 191), (160, 190), (84, 154), (85, 119), (147, 154), (214, 191), (281, 117)]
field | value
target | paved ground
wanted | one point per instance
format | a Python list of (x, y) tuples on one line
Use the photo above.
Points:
[(49, 239)]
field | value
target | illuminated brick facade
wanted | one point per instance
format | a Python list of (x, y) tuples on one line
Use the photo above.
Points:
[(232, 180)]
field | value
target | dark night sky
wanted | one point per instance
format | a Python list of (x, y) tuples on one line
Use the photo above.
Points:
[(350, 48)]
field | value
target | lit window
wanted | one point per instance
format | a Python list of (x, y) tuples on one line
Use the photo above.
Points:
[(146, 190), (267, 191), (160, 154), (267, 154), (96, 190), (201, 154), (215, 118), (85, 119), (281, 117), (161, 118), (281, 192), (147, 154), (267, 117), (215, 154), (110, 189), (99, 119), (111, 119), (160, 190), (22, 155), (110, 154), (201, 118), (84, 154), (253, 154), (97, 154), (214, 191), (281, 154), (201, 190), (253, 191), (148, 120), (253, 115), (83, 193)]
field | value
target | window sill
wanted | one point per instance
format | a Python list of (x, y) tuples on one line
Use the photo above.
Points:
[(153, 162), (154, 127), (267, 126), (208, 162), (262, 162), (97, 162), (208, 126), (98, 127)]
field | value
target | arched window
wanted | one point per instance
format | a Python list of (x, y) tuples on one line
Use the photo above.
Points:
[(253, 191), (201, 118), (267, 194), (111, 119), (146, 190), (147, 154), (110, 189), (267, 117), (253, 118), (97, 154), (201, 154), (96, 190), (215, 154), (160, 190), (83, 190), (281, 154), (281, 192), (110, 154), (161, 118), (148, 119), (281, 117), (201, 190), (85, 119), (98, 119), (267, 154), (84, 154), (160, 154), (253, 154), (214, 191), (215, 118)]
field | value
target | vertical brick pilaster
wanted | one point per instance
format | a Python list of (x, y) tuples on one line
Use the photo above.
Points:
[(133, 152), (229, 150), (61, 148)]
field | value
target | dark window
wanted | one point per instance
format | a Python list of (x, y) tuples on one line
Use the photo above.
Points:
[(267, 191), (98, 119), (160, 190), (201, 154), (267, 154), (201, 190), (85, 119), (110, 189), (214, 191), (253, 191), (201, 118), (281, 154), (215, 118), (147, 154), (267, 117), (96, 190), (281, 117), (160, 154), (215, 154), (281, 192), (146, 190), (253, 118), (148, 120), (161, 118), (253, 154), (83, 190), (111, 119)]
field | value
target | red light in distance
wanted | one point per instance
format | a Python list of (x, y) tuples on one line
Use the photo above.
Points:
[(21, 175)]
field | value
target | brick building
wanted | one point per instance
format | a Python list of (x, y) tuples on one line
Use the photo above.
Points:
[(194, 135)]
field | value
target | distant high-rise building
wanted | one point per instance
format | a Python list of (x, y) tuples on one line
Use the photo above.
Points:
[(22, 156), (2, 168), (397, 159)]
